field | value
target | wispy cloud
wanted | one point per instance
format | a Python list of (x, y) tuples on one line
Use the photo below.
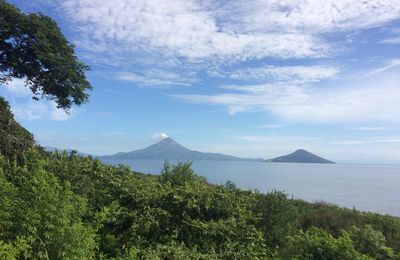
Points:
[(275, 139), (389, 65), (272, 126), (369, 128), (361, 101), (300, 74), (155, 78), (33, 110), (310, 15), (372, 140), (251, 97), (393, 40)]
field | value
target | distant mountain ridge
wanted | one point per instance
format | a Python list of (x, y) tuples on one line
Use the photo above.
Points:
[(300, 156), (169, 149)]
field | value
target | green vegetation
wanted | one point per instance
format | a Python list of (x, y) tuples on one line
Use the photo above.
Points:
[(14, 139), (33, 48), (63, 206)]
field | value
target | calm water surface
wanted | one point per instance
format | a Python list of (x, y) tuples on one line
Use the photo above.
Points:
[(373, 188)]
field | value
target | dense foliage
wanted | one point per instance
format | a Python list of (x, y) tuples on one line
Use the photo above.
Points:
[(64, 206), (32, 47), (14, 139)]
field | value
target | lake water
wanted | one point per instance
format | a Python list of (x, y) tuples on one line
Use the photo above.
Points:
[(373, 188)]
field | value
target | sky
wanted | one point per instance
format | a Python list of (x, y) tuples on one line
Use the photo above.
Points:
[(247, 78)]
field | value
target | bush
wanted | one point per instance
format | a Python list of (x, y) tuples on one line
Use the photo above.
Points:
[(278, 217), (179, 174), (370, 242), (45, 213), (318, 244)]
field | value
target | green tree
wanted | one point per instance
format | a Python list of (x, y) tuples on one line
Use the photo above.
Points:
[(33, 47), (320, 245), (14, 139), (11, 251), (370, 242), (44, 212), (179, 174), (278, 217), (7, 203)]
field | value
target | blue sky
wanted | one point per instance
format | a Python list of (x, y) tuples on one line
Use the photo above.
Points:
[(247, 78)]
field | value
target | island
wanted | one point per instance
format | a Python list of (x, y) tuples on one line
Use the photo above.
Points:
[(300, 156)]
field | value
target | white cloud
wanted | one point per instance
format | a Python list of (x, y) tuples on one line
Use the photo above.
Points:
[(209, 29), (369, 128), (393, 40), (181, 28), (155, 78), (57, 114), (24, 107), (376, 99), (389, 65), (309, 15), (371, 140), (275, 139), (373, 102), (272, 126), (17, 88), (38, 110), (252, 97), (282, 73), (159, 136)]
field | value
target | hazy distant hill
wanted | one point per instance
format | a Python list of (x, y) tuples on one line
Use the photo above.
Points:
[(168, 149), (300, 156)]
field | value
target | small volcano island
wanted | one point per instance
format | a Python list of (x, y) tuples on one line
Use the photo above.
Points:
[(300, 156)]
